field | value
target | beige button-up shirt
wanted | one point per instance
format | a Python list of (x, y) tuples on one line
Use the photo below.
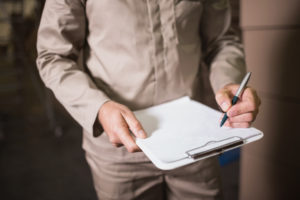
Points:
[(137, 52)]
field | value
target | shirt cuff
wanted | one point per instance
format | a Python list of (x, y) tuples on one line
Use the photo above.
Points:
[(223, 73)]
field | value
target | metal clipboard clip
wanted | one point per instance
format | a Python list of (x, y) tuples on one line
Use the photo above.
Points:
[(228, 143), (195, 154)]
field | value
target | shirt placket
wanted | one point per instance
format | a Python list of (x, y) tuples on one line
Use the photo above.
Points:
[(164, 36)]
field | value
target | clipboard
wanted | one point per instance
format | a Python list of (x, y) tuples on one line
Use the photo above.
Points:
[(185, 131)]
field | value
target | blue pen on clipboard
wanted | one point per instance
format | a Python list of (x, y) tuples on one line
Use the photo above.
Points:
[(237, 94)]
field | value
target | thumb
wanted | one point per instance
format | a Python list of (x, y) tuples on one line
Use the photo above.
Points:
[(134, 125), (223, 98)]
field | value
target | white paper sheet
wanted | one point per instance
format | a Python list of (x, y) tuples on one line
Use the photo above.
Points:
[(181, 125)]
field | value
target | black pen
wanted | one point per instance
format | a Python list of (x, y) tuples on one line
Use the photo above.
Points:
[(237, 94)]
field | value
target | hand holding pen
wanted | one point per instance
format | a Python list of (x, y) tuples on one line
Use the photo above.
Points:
[(240, 103)]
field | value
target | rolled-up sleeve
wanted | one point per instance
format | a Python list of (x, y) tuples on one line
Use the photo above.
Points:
[(223, 51), (61, 36)]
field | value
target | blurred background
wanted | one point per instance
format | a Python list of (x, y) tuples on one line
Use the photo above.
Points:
[(40, 145)]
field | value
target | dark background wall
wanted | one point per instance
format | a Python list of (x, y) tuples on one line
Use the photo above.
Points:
[(271, 32), (40, 145)]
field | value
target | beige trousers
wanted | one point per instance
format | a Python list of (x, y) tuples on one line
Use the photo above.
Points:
[(119, 175)]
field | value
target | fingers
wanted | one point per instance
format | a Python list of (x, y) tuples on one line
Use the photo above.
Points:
[(248, 103), (251, 95), (126, 139), (241, 108), (134, 125), (114, 139), (239, 125), (224, 98), (117, 145), (117, 121), (244, 112), (120, 135), (245, 117)]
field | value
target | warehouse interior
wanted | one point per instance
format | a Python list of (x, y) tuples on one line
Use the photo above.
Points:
[(40, 144)]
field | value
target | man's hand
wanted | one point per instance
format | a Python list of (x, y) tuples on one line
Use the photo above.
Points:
[(244, 111), (117, 121)]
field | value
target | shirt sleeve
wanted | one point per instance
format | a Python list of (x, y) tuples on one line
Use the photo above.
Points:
[(61, 36), (222, 49)]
